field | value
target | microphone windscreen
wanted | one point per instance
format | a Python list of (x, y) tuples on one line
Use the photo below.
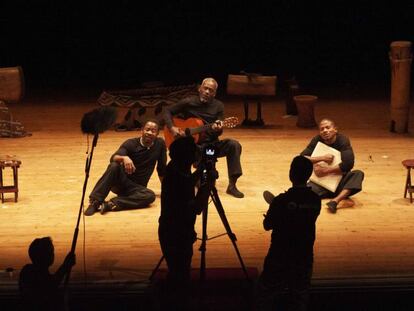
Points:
[(98, 120)]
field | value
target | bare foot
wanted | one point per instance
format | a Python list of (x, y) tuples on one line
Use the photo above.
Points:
[(347, 203)]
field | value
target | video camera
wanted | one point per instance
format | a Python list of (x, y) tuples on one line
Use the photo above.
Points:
[(208, 161)]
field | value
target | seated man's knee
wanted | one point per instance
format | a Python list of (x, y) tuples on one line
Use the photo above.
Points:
[(114, 166), (150, 196), (234, 146), (359, 174), (141, 198)]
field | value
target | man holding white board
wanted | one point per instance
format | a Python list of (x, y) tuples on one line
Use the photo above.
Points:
[(333, 159)]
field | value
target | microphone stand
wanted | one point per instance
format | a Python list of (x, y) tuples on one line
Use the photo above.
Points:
[(76, 232)]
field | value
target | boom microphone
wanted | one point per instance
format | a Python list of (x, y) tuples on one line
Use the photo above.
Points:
[(93, 122), (98, 120)]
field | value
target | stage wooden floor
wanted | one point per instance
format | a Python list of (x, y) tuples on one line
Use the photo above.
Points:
[(372, 239)]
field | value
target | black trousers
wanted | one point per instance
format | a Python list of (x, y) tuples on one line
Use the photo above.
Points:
[(351, 181), (283, 285), (231, 149), (130, 194), (178, 252)]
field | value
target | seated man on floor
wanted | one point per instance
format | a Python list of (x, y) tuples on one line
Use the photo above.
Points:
[(129, 171), (351, 181)]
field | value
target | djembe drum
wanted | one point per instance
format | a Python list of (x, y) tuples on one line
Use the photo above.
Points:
[(11, 84), (305, 105), (400, 60)]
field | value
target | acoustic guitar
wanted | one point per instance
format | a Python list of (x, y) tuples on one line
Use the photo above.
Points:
[(195, 127)]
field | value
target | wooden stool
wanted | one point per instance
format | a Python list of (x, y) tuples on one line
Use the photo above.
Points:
[(305, 105), (408, 164), (14, 164)]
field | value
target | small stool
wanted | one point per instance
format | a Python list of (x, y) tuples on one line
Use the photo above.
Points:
[(408, 164), (305, 105), (14, 164)]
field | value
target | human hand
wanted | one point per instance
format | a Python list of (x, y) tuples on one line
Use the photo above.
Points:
[(176, 131), (128, 165), (319, 170), (328, 158), (217, 126), (70, 260)]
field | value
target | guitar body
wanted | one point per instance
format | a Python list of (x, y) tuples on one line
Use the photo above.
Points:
[(182, 124)]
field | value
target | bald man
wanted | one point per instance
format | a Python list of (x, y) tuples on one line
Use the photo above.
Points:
[(207, 108)]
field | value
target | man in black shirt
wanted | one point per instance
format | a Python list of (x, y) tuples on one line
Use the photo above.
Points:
[(288, 265), (351, 182), (129, 171), (209, 110)]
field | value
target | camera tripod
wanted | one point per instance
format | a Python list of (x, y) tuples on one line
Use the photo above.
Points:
[(204, 238)]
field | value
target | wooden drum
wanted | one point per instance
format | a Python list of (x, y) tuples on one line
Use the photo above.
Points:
[(400, 59), (11, 84), (305, 105)]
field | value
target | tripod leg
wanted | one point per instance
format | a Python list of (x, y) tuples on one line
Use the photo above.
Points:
[(232, 236), (203, 246), (156, 268)]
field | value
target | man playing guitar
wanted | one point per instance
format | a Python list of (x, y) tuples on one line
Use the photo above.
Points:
[(211, 111)]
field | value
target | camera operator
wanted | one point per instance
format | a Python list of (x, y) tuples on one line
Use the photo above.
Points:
[(179, 207), (288, 265)]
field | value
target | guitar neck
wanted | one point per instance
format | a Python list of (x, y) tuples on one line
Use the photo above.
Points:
[(198, 130)]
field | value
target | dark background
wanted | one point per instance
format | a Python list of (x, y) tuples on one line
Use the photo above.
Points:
[(117, 44)]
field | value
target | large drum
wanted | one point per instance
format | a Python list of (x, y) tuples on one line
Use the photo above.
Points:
[(305, 105), (400, 60), (11, 84)]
